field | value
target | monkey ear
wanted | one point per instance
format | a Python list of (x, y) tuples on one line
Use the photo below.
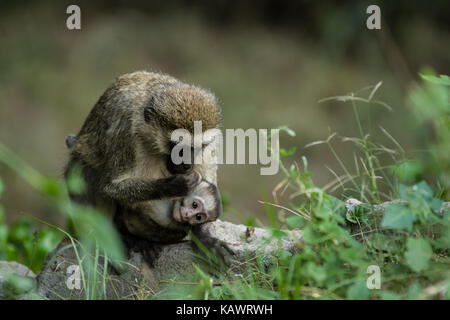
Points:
[(149, 109), (70, 140)]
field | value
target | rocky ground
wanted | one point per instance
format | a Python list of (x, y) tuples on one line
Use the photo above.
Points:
[(229, 245)]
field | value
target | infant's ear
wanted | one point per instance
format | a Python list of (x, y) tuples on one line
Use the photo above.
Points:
[(199, 177)]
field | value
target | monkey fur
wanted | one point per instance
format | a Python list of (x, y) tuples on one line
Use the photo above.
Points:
[(123, 150)]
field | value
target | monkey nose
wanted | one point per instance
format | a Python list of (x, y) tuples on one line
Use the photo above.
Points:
[(184, 213)]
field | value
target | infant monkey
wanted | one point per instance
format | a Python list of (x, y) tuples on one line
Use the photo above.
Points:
[(166, 221), (200, 206)]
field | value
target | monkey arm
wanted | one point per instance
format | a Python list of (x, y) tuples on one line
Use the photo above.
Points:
[(132, 190)]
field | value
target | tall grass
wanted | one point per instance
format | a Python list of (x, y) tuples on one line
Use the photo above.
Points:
[(407, 237), (96, 238)]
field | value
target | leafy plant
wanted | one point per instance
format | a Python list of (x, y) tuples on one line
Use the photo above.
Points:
[(97, 240), (406, 237)]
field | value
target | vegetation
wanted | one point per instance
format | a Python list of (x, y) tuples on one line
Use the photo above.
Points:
[(265, 72), (95, 235), (407, 237)]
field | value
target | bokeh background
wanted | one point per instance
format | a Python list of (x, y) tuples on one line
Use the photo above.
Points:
[(269, 62)]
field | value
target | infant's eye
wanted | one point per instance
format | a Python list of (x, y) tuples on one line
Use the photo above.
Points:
[(195, 205), (198, 216)]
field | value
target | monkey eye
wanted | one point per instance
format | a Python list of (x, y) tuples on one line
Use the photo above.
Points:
[(198, 216), (195, 205)]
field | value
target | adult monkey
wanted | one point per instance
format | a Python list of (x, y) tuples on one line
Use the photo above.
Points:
[(124, 146)]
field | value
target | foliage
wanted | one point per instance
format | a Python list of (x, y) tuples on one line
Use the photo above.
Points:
[(23, 242), (430, 103), (408, 239), (94, 237)]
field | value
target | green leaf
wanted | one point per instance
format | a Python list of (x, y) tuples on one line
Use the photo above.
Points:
[(295, 222), (418, 254), (286, 153), (353, 255), (443, 242), (382, 242), (334, 204), (414, 291), (415, 193), (408, 170), (75, 182), (310, 236), (397, 216), (436, 204), (389, 295), (350, 216), (96, 229), (15, 285), (423, 190), (360, 212), (21, 232), (429, 101), (442, 79), (358, 291), (51, 187), (276, 233), (318, 273), (11, 252), (402, 190), (47, 240)]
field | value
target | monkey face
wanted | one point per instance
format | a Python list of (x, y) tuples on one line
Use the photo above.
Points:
[(190, 210), (203, 205)]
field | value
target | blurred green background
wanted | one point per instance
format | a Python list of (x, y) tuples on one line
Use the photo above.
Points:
[(269, 62)]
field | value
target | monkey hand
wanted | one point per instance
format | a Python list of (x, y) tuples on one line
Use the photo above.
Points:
[(193, 179), (186, 183)]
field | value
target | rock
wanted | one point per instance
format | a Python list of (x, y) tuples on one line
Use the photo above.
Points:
[(377, 211), (162, 271), (62, 278), (235, 243), (229, 244), (17, 282), (351, 204), (445, 207), (15, 267)]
